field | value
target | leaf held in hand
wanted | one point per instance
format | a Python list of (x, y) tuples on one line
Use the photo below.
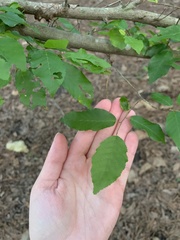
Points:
[(93, 119), (108, 162), (124, 103)]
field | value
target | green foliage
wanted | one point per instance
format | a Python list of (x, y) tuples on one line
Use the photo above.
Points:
[(154, 1), (30, 91), (153, 130), (1, 101), (11, 16), (108, 162), (41, 67), (162, 99), (47, 67), (124, 103), (12, 52), (56, 44), (171, 32), (178, 99), (66, 25), (173, 127), (88, 61), (134, 43), (91, 119), (76, 83), (159, 65)]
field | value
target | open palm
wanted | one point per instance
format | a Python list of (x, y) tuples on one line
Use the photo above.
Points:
[(62, 203)]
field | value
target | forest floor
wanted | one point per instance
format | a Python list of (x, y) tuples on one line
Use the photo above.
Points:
[(151, 206)]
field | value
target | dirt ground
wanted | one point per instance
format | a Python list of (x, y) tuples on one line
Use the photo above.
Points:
[(151, 206)]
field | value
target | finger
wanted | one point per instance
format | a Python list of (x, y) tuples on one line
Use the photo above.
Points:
[(54, 161), (104, 133), (132, 144), (83, 139)]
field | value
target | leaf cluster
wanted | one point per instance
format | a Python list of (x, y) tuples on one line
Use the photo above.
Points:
[(42, 67)]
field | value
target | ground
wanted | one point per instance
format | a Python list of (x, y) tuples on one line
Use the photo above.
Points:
[(151, 206)]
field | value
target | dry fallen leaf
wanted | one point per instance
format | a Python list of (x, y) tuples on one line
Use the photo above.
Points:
[(17, 146)]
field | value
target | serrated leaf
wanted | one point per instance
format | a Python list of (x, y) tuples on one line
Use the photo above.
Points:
[(49, 68), (153, 130), (173, 127), (56, 44), (159, 65), (76, 83), (124, 103), (12, 52), (116, 39), (178, 99), (91, 119), (88, 61), (108, 162), (30, 91), (162, 99), (135, 44), (5, 69), (11, 19)]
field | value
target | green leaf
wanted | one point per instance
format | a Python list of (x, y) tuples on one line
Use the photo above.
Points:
[(178, 99), (108, 162), (173, 127), (153, 130), (88, 61), (76, 83), (30, 91), (67, 25), (135, 44), (56, 44), (120, 24), (5, 70), (176, 66), (154, 1), (117, 39), (91, 119), (1, 101), (12, 52), (49, 68), (171, 32), (159, 65), (124, 103), (162, 99), (155, 49), (11, 19), (12, 8)]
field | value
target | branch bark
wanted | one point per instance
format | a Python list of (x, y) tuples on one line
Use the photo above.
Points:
[(50, 10), (88, 42)]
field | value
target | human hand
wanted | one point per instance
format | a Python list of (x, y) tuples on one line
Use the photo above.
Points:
[(62, 203)]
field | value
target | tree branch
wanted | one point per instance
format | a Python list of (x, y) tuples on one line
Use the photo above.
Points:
[(88, 42), (50, 10)]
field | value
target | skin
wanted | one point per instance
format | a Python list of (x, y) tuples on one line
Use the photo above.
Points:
[(62, 203)]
